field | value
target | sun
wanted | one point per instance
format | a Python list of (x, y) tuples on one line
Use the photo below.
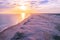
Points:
[(22, 7)]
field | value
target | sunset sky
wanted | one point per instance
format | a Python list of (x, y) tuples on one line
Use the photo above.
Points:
[(28, 6)]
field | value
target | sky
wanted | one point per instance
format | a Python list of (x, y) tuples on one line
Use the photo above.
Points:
[(34, 6)]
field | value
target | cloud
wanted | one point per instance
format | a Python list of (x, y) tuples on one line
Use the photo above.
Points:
[(43, 6)]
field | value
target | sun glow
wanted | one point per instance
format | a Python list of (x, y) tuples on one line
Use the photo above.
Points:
[(23, 15), (22, 5), (23, 8)]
